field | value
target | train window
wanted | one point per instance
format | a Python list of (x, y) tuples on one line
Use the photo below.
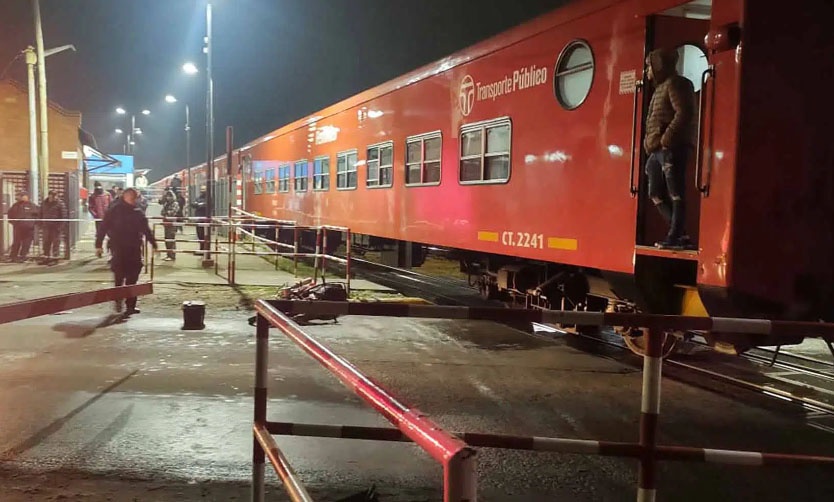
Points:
[(380, 165), (692, 63), (346, 170), (269, 178), (321, 174), (574, 74), (422, 159), (259, 180), (283, 179), (485, 152), (300, 176)]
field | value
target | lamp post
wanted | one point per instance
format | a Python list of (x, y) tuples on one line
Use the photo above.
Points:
[(172, 99), (38, 178), (134, 131), (209, 133)]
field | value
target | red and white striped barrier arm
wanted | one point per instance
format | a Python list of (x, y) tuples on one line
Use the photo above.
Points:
[(457, 459), (636, 320), (557, 445), (28, 309)]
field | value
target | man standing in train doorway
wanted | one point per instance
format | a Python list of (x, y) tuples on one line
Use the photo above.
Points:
[(668, 142), (125, 224)]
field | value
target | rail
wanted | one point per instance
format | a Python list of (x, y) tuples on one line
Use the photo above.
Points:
[(28, 309), (646, 450), (456, 458)]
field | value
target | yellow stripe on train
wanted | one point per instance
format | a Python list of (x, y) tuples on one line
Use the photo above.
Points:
[(562, 243), (488, 236)]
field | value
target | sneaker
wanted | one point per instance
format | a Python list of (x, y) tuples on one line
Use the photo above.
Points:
[(167, 258), (133, 311), (669, 243)]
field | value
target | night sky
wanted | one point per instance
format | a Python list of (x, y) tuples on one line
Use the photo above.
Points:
[(274, 60)]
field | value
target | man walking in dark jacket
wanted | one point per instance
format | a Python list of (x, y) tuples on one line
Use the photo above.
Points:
[(668, 142), (53, 209), (125, 224), (24, 231)]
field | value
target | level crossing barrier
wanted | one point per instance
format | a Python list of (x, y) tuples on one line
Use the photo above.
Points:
[(456, 458), (646, 450), (237, 226), (28, 309)]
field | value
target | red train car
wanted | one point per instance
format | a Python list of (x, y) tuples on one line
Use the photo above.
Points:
[(523, 152)]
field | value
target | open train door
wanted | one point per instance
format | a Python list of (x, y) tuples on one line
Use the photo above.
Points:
[(683, 29)]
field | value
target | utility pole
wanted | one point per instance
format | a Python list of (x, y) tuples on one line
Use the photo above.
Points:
[(44, 157), (210, 134), (190, 180), (34, 178)]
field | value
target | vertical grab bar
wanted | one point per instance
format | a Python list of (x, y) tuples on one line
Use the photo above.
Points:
[(632, 188), (699, 157)]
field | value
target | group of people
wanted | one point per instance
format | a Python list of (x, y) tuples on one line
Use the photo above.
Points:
[(25, 216)]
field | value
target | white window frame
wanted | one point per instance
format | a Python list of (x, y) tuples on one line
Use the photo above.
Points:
[(258, 180), (295, 179), (421, 138), (324, 175), (483, 126), (269, 184), (284, 182), (379, 147), (348, 170)]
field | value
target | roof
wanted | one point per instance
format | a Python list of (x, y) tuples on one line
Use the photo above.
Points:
[(21, 88), (536, 26)]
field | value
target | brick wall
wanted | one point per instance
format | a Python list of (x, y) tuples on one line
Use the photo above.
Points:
[(14, 131)]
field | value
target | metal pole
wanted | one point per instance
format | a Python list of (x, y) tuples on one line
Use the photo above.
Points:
[(189, 181), (34, 178), (209, 128), (261, 376), (347, 264), (649, 414), (132, 133), (44, 160), (230, 143)]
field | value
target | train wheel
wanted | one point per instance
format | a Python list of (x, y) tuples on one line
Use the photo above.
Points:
[(635, 340)]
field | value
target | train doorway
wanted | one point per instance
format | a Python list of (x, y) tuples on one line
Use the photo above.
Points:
[(682, 29)]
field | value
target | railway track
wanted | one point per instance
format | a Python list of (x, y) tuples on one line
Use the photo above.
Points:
[(804, 384)]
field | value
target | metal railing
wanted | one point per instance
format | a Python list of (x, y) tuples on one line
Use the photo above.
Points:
[(235, 227), (456, 458), (646, 450)]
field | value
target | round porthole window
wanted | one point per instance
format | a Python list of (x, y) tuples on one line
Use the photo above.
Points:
[(574, 74), (692, 62)]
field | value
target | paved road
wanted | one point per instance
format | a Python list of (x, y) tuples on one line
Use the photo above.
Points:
[(146, 400)]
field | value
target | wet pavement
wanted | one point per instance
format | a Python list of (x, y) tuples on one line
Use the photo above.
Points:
[(145, 400)]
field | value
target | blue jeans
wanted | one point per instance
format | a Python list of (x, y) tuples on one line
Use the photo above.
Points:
[(666, 170)]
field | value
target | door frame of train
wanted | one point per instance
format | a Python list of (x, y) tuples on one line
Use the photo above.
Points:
[(667, 31)]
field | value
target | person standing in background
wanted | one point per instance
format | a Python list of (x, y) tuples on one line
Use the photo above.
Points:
[(98, 203), (26, 213), (53, 209)]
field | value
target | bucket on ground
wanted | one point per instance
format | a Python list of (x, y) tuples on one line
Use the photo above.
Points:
[(193, 315)]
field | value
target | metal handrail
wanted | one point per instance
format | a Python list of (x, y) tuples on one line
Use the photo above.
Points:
[(638, 87), (703, 188)]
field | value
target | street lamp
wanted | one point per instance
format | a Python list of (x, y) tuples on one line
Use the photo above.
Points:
[(190, 68), (130, 138), (170, 99), (119, 131)]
